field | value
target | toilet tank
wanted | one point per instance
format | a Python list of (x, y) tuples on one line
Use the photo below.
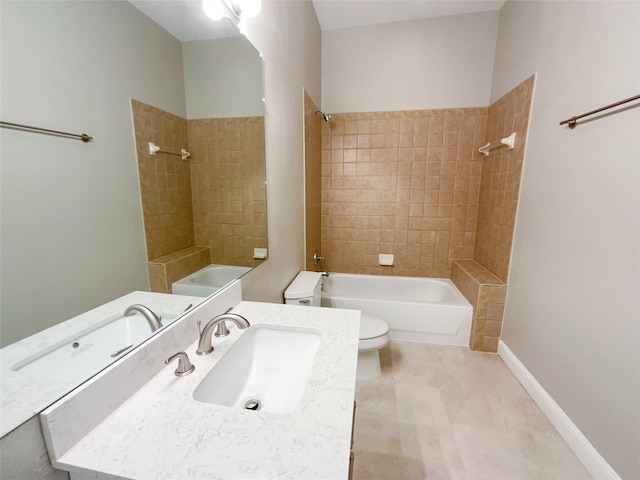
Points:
[(304, 290)]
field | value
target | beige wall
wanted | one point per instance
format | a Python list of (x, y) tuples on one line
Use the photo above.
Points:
[(214, 92), (443, 62), (572, 308), (288, 34)]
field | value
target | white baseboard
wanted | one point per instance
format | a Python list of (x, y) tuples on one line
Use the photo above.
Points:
[(596, 465)]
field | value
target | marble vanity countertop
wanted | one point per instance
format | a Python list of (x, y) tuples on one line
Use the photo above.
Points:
[(23, 395), (163, 432)]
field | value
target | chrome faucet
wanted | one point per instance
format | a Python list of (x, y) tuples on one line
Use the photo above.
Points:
[(204, 343), (152, 318), (221, 330)]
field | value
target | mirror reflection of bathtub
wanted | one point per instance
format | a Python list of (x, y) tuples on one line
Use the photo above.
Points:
[(208, 280), (41, 368), (78, 356)]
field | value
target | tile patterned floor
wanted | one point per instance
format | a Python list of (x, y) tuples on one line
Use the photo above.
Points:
[(440, 412)]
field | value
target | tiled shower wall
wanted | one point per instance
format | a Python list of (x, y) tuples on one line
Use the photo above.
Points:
[(413, 184), (312, 181), (405, 183), (229, 190), (500, 185), (483, 279), (216, 199), (165, 180)]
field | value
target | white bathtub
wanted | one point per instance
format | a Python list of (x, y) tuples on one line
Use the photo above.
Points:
[(207, 280), (426, 310)]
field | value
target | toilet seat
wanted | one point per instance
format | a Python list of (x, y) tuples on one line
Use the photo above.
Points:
[(372, 327), (374, 333)]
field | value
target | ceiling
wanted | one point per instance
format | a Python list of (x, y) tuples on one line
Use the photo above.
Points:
[(353, 13), (186, 21)]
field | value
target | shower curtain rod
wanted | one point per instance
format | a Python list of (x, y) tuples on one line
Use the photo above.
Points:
[(83, 136), (572, 122)]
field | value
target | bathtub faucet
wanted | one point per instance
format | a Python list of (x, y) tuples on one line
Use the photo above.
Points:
[(204, 342), (324, 274), (317, 258), (146, 312)]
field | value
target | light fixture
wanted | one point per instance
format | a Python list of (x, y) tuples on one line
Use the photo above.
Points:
[(213, 9), (237, 10)]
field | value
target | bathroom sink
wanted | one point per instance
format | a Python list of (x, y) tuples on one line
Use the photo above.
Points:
[(80, 355), (267, 369)]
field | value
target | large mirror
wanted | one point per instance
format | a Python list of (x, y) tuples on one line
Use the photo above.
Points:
[(86, 226)]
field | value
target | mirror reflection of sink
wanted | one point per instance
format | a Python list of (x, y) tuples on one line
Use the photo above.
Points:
[(86, 352), (267, 369)]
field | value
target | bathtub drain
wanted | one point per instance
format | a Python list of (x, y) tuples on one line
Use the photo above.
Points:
[(252, 404)]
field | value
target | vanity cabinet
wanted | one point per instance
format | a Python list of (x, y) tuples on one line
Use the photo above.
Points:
[(118, 436), (353, 430)]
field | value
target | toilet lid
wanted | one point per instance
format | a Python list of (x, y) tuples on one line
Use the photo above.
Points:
[(372, 327)]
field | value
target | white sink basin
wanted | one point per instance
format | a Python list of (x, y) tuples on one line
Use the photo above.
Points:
[(268, 364), (86, 352)]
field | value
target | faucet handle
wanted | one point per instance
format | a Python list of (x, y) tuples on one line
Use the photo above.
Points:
[(221, 330), (185, 367)]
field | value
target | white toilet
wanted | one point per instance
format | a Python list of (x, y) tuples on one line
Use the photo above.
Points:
[(306, 289)]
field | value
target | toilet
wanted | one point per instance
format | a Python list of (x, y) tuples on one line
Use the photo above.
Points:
[(306, 289)]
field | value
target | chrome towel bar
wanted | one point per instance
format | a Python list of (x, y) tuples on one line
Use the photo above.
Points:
[(83, 136), (572, 122), (509, 141), (153, 149)]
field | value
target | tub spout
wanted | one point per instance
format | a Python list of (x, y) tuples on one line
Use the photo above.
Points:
[(146, 312)]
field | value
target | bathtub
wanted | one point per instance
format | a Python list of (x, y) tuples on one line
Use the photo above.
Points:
[(426, 310), (207, 280)]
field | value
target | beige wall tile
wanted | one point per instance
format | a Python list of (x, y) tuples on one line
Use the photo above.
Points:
[(500, 182), (165, 180), (405, 179), (229, 193), (165, 270), (424, 193), (158, 278), (217, 199), (486, 293), (312, 175)]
